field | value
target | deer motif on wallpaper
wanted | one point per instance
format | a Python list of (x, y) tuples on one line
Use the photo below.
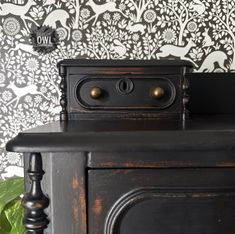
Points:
[(24, 47), (22, 91), (177, 51), (101, 8)]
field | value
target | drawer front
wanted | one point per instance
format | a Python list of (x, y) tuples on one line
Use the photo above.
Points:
[(172, 201), (126, 92), (144, 95)]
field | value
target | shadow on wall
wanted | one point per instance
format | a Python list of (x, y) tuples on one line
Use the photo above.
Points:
[(200, 31)]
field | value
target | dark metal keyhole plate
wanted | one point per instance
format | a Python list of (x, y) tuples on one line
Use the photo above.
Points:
[(124, 86)]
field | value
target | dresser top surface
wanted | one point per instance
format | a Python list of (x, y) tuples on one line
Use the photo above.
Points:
[(199, 133), (122, 63)]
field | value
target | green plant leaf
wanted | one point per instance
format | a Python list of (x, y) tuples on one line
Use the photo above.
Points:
[(9, 190), (15, 213), (5, 226)]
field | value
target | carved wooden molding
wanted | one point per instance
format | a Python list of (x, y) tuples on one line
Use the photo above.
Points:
[(129, 200), (35, 201)]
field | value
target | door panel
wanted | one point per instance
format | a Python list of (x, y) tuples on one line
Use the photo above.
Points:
[(163, 201)]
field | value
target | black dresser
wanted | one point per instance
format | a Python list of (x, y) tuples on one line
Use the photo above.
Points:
[(130, 155)]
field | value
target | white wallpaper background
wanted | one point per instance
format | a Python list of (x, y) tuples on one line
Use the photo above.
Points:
[(201, 31)]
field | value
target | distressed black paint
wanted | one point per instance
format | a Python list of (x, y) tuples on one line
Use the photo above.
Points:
[(35, 201)]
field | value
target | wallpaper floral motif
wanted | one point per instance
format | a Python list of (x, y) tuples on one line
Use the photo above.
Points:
[(200, 31)]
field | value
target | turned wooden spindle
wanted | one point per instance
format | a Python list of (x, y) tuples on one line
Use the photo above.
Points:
[(35, 201), (185, 87), (63, 99)]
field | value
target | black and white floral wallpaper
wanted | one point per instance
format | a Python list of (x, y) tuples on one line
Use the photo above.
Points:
[(201, 31)]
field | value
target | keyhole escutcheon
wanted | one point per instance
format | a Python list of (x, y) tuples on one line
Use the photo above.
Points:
[(125, 86)]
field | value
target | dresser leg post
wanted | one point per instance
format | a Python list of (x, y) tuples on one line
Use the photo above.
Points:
[(35, 201)]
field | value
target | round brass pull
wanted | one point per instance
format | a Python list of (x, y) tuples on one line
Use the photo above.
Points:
[(157, 92), (96, 92)]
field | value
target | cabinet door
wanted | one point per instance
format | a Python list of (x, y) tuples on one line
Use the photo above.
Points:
[(161, 201)]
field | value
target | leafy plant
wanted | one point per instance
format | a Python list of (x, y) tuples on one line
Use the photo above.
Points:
[(11, 210)]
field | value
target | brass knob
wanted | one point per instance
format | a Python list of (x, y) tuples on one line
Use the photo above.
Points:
[(96, 92), (157, 92)]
